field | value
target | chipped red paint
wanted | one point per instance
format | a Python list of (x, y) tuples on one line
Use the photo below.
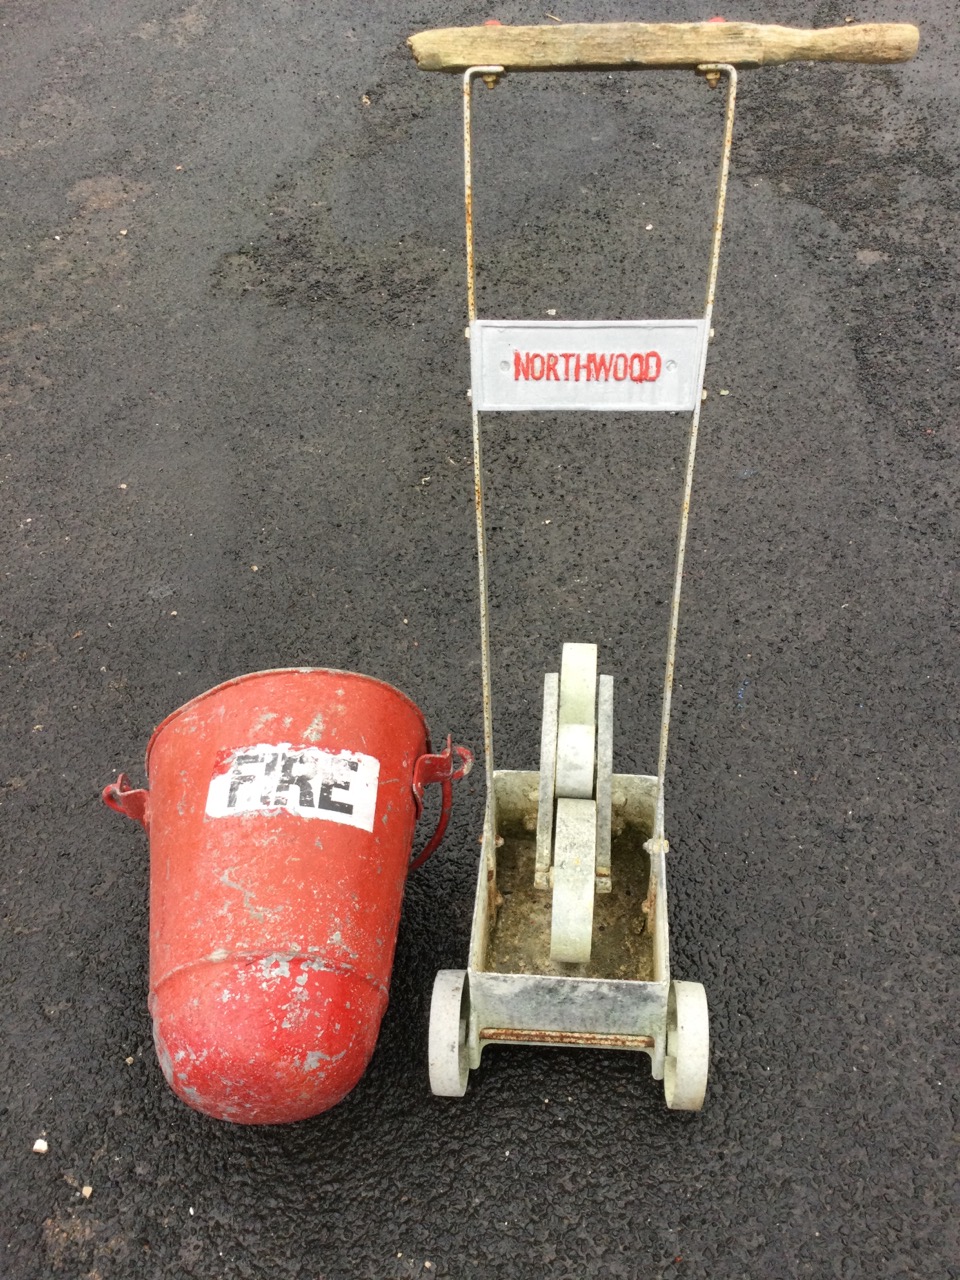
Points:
[(272, 933)]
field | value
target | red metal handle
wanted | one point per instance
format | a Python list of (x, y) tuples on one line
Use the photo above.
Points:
[(442, 768), (132, 803), (439, 768)]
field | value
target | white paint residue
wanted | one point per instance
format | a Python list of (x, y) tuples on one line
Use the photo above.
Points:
[(313, 1059), (255, 913), (337, 941), (315, 731), (268, 777), (275, 966), (263, 720)]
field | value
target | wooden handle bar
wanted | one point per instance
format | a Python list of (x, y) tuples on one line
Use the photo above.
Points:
[(607, 46)]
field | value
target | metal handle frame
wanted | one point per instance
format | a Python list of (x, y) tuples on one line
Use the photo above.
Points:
[(712, 72)]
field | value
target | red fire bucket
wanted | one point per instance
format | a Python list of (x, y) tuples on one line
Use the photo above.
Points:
[(281, 813)]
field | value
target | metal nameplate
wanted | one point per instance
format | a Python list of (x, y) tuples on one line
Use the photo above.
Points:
[(587, 364)]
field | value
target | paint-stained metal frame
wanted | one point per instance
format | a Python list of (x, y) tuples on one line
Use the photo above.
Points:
[(711, 71), (491, 74), (490, 822)]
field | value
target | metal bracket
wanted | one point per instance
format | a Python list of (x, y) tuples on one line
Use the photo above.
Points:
[(130, 801), (548, 769), (439, 768), (604, 782)]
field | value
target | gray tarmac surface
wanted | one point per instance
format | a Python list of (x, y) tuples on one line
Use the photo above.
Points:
[(231, 281)]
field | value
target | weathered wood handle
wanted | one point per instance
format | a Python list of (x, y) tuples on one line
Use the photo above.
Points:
[(608, 46)]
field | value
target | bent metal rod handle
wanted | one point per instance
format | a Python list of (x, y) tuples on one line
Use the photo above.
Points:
[(606, 46), (446, 768), (443, 769)]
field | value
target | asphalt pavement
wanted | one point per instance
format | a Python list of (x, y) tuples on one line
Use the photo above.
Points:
[(236, 437)]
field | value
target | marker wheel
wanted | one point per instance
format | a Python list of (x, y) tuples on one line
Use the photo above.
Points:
[(688, 1047), (449, 1020)]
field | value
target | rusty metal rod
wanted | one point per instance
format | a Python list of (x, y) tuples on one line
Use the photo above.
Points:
[(486, 675), (658, 841), (571, 1039)]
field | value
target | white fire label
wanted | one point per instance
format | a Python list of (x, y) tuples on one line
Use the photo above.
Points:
[(306, 781)]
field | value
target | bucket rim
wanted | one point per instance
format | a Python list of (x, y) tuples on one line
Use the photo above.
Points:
[(280, 671)]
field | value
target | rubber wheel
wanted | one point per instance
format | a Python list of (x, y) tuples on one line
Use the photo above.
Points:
[(449, 1016), (688, 1047)]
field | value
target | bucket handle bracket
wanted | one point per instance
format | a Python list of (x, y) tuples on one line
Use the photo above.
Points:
[(130, 801), (445, 769)]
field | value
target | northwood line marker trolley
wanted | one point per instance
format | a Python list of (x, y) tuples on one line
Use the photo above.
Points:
[(570, 938)]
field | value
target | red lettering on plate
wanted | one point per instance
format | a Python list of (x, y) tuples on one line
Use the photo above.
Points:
[(593, 367)]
